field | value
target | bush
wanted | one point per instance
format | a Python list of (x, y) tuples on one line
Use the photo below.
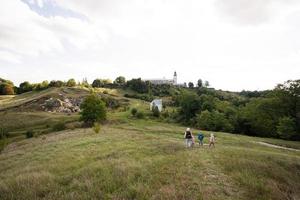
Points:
[(73, 125), (96, 127), (144, 97), (29, 134), (140, 115), (165, 114), (133, 111), (286, 128), (92, 110), (111, 102), (155, 111), (8, 90), (71, 83), (60, 126)]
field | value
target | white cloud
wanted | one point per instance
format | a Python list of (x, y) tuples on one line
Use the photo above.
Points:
[(9, 57), (40, 3)]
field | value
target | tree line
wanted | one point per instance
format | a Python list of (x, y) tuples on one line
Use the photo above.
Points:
[(269, 113), (273, 113)]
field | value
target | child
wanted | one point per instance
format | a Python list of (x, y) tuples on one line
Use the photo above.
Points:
[(200, 138), (212, 140)]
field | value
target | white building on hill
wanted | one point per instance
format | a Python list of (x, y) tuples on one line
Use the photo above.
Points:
[(164, 80)]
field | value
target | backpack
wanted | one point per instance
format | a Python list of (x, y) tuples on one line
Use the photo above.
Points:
[(200, 136), (188, 135)]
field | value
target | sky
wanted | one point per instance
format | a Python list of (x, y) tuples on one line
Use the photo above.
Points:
[(234, 44)]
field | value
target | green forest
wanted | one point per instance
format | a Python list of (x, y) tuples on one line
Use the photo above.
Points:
[(272, 113)]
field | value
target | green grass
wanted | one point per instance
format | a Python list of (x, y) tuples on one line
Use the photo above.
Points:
[(19, 122), (143, 159), (135, 159)]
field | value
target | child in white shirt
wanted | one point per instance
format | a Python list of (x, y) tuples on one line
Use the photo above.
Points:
[(212, 140)]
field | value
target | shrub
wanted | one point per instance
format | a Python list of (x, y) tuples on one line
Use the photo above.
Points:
[(111, 102), (29, 134), (105, 92), (73, 125), (155, 111), (165, 114), (140, 115), (134, 111), (92, 110), (96, 127), (60, 126), (286, 128), (8, 90), (71, 83)]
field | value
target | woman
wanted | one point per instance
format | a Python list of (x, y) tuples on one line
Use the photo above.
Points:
[(188, 136)]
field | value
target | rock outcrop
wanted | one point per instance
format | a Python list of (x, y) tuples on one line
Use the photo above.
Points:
[(65, 105)]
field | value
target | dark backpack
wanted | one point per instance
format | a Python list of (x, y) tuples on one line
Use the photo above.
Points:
[(188, 135)]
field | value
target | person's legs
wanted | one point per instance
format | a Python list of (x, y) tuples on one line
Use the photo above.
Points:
[(187, 142), (190, 141)]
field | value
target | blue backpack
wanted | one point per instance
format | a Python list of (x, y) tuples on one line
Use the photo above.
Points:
[(200, 136)]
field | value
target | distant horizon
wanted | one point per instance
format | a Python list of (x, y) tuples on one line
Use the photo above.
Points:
[(90, 81), (234, 44)]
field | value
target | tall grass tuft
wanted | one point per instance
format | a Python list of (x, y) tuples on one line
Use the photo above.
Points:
[(60, 126), (97, 127)]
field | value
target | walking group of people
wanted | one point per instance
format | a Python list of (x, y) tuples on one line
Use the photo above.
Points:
[(190, 139)]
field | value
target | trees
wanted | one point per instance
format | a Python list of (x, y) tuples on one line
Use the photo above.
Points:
[(199, 83), (8, 90), (138, 85), (189, 104), (120, 80), (214, 121), (92, 110), (25, 87), (191, 85), (97, 83), (6, 87), (54, 83), (286, 128), (100, 82), (206, 84), (71, 83)]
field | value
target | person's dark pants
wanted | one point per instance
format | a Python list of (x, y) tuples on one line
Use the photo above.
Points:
[(201, 142)]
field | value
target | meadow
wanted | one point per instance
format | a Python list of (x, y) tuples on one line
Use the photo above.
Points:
[(140, 159), (145, 160)]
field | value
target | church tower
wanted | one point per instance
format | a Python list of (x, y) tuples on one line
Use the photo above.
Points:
[(175, 78)]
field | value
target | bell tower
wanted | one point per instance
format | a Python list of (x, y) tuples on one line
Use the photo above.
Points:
[(175, 78)]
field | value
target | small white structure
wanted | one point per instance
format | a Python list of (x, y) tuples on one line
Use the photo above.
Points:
[(164, 80), (158, 103)]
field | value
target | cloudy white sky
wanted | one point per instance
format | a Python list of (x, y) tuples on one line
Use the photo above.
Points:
[(235, 44)]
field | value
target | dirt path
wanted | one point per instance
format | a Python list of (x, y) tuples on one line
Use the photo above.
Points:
[(276, 146)]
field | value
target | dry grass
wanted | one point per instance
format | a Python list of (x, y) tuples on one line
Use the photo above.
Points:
[(145, 160)]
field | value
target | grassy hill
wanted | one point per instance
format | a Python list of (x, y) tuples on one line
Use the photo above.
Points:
[(21, 113), (146, 160), (134, 158)]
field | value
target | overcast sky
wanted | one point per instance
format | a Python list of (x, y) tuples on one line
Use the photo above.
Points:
[(234, 44)]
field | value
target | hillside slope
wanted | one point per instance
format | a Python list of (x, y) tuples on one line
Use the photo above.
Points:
[(146, 160)]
